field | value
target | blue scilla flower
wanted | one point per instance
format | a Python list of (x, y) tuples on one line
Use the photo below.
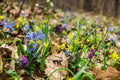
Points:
[(9, 26), (118, 33), (26, 28), (31, 49), (113, 40), (110, 28), (65, 25), (35, 55), (41, 36), (67, 52), (33, 35), (3, 22), (34, 44), (28, 36)]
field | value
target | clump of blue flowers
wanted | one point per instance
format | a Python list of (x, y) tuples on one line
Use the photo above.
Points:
[(9, 26), (34, 41)]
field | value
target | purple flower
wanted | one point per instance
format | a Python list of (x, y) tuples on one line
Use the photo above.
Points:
[(90, 53), (57, 29), (24, 14), (23, 60)]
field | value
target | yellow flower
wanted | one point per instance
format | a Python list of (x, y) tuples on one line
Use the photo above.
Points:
[(20, 19), (44, 21), (70, 47), (110, 51), (92, 46), (17, 26), (38, 41), (31, 41), (36, 28), (64, 32), (55, 15), (45, 44), (76, 41), (58, 46), (114, 56), (62, 46), (69, 36), (1, 17), (88, 40)]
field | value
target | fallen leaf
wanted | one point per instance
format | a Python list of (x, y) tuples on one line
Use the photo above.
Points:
[(55, 61)]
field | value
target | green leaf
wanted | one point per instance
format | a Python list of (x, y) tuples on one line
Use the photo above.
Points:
[(21, 49), (13, 74)]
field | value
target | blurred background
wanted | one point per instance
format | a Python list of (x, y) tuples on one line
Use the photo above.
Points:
[(106, 7)]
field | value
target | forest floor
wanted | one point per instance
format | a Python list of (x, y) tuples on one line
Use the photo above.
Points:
[(47, 44)]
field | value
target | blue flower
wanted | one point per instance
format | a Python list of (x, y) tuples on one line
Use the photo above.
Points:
[(67, 52), (33, 35), (34, 44), (65, 25), (41, 36), (3, 22), (28, 36), (113, 40), (26, 28), (110, 28), (35, 55), (118, 33), (9, 26), (31, 49)]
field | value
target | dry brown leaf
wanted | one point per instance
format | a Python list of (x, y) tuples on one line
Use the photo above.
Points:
[(106, 74), (10, 51), (56, 61)]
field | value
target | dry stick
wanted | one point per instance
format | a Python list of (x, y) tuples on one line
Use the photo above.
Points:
[(20, 9)]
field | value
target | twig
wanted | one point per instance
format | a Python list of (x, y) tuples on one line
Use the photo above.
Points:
[(23, 1)]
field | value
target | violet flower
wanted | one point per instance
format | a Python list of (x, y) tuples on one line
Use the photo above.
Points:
[(57, 29), (90, 54), (23, 60)]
